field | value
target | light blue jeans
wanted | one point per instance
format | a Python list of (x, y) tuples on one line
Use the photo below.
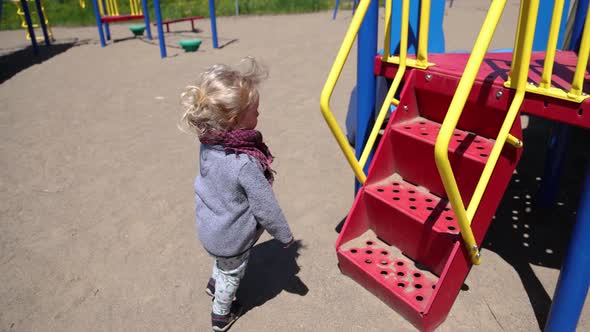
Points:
[(227, 273)]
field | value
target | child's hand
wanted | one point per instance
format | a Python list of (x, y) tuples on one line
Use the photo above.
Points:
[(288, 245)]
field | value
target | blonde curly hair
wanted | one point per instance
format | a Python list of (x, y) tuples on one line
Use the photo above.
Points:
[(220, 95)]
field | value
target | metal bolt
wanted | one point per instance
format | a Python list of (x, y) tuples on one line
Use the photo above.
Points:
[(475, 247), (406, 108), (478, 255), (584, 94), (499, 94), (531, 83), (428, 77)]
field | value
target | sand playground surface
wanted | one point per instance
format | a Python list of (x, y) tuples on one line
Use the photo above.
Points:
[(97, 209)]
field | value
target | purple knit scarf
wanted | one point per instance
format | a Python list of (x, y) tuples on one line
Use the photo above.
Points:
[(243, 141)]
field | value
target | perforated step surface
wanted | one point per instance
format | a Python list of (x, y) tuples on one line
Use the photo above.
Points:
[(392, 269), (465, 143), (417, 203)]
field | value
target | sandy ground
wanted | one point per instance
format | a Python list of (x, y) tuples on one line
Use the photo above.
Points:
[(97, 222)]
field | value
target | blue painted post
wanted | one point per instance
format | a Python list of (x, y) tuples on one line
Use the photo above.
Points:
[(98, 23), (160, 30), (544, 23), (367, 49), (107, 30), (30, 26), (574, 278), (42, 22), (213, 22), (335, 9), (560, 134), (556, 153), (579, 24), (146, 19)]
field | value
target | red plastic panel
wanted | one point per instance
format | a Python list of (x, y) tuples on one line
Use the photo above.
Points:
[(111, 19), (422, 206), (395, 272), (464, 143), (494, 72)]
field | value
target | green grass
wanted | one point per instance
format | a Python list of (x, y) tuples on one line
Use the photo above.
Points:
[(69, 13)]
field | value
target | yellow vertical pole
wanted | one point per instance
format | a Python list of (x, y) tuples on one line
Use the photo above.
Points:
[(100, 9), (583, 52), (551, 44), (387, 32), (422, 56), (521, 70), (516, 50), (110, 10)]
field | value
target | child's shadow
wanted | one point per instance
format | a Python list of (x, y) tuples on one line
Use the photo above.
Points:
[(271, 269)]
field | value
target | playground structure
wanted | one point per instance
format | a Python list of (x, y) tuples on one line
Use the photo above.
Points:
[(29, 25), (106, 11), (103, 21), (21, 14), (449, 150)]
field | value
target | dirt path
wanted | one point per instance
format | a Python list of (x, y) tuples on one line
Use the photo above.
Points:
[(96, 197)]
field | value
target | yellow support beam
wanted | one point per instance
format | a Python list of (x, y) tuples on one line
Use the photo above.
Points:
[(551, 44), (422, 55)]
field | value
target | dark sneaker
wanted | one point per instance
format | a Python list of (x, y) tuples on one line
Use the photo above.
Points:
[(210, 289), (223, 322)]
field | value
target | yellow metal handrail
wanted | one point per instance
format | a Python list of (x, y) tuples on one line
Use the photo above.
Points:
[(450, 123), (575, 93), (402, 61), (328, 89)]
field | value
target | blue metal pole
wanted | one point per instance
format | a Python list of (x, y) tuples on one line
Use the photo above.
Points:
[(581, 12), (213, 22), (335, 9), (367, 49), (574, 278), (30, 26), (160, 30), (146, 18), (42, 22), (107, 30), (98, 23), (556, 153)]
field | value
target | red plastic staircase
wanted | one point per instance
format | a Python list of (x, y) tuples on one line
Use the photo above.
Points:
[(400, 240)]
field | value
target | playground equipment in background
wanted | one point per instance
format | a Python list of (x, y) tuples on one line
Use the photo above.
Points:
[(190, 45), (137, 30), (21, 14), (29, 23), (413, 233), (192, 19), (111, 14), (100, 22), (355, 4)]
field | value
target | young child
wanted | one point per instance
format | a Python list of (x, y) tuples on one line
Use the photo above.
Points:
[(235, 202)]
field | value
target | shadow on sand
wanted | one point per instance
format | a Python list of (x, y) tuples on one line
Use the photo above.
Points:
[(525, 233), (271, 270), (12, 63)]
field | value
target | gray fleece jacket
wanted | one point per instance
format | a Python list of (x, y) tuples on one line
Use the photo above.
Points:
[(232, 197)]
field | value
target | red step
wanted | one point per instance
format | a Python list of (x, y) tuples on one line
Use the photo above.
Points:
[(400, 239)]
